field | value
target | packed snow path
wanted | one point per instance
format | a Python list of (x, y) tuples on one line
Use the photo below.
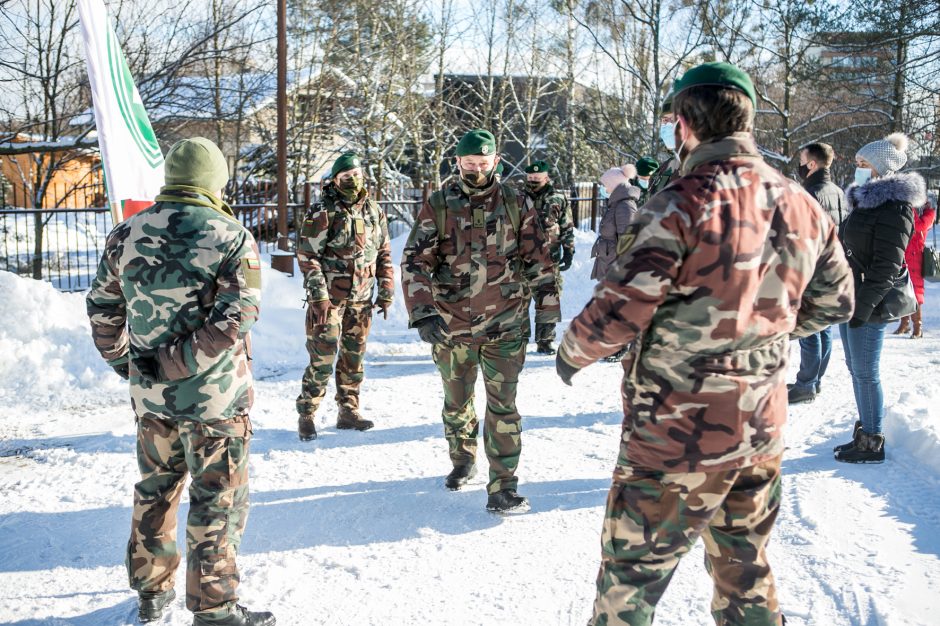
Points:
[(356, 528)]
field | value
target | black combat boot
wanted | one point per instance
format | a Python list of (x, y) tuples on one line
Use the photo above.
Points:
[(238, 616), (799, 395), (506, 502), (855, 431), (617, 357), (868, 449), (349, 419), (459, 476), (306, 427), (150, 604), (544, 347)]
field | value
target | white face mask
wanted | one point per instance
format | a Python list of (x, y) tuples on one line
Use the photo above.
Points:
[(643, 183), (667, 135), (862, 175)]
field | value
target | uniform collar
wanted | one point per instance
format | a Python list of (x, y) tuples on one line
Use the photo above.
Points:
[(737, 145)]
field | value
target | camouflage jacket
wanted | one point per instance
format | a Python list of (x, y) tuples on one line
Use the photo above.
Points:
[(478, 275), (180, 283), (344, 250), (555, 219), (667, 173), (716, 274)]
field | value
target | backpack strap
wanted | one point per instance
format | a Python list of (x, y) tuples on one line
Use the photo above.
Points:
[(436, 200), (511, 200)]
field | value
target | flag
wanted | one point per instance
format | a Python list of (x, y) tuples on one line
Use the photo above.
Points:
[(132, 159)]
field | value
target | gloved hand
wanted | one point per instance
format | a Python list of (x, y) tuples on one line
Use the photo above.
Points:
[(564, 370), (543, 331), (432, 329), (147, 368), (557, 255), (856, 323), (320, 310), (566, 259), (383, 305), (122, 369)]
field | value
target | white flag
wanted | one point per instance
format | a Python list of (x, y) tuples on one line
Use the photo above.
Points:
[(133, 162)]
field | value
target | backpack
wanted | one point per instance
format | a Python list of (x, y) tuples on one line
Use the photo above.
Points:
[(510, 200)]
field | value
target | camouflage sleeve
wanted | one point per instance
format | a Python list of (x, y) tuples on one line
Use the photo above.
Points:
[(419, 261), (235, 310), (566, 225), (384, 270), (649, 255), (107, 308), (313, 236), (829, 297), (538, 267)]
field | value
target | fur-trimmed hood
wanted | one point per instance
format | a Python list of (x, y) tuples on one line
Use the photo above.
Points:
[(908, 188)]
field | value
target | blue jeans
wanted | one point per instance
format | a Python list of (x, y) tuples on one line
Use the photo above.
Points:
[(862, 347), (815, 351)]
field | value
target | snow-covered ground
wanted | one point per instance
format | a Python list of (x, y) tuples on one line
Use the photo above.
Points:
[(356, 528)]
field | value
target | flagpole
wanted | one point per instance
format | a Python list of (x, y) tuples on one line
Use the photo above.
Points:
[(281, 261)]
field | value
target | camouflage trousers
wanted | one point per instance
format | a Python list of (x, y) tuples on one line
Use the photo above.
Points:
[(347, 328), (550, 337), (216, 456), (654, 518), (501, 363)]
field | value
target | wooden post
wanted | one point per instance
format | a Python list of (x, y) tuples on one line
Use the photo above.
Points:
[(595, 196), (282, 259), (575, 206)]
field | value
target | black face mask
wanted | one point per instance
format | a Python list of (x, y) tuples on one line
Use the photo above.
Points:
[(802, 171), (475, 179), (532, 185)]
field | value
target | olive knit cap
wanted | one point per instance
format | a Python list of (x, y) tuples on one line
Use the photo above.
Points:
[(716, 75), (537, 167), (477, 141), (646, 166), (196, 162), (346, 161)]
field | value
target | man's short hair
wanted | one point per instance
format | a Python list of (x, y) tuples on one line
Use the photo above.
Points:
[(714, 112), (822, 153)]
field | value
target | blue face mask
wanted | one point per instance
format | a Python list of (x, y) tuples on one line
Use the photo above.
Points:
[(643, 183), (668, 136), (862, 175)]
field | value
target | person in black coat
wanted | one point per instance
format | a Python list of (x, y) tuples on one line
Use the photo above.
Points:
[(875, 235), (815, 350)]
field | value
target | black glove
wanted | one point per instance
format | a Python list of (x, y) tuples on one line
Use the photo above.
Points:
[(564, 370), (147, 368), (122, 370), (856, 323), (542, 331), (382, 305), (566, 259), (432, 329)]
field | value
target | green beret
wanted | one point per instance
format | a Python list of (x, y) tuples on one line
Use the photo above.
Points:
[(667, 101), (646, 166), (537, 167), (346, 161), (196, 162), (477, 141), (717, 75)]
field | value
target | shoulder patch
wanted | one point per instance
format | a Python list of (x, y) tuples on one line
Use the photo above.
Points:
[(251, 267), (625, 242)]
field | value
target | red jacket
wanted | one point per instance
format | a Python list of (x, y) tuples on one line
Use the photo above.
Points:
[(914, 255)]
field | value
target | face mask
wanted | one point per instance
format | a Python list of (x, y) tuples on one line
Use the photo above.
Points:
[(668, 136), (643, 183), (802, 171), (353, 183), (862, 175), (475, 179), (677, 138), (533, 185)]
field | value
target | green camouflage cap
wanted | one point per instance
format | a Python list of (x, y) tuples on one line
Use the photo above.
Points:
[(646, 166), (537, 167), (716, 75), (477, 141), (346, 161), (196, 162)]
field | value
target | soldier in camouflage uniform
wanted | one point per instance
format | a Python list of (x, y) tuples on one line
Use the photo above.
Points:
[(344, 254), (558, 229), (475, 256), (645, 168), (716, 274), (177, 290), (668, 171)]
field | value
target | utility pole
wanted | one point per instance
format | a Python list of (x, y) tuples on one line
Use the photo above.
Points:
[(283, 258)]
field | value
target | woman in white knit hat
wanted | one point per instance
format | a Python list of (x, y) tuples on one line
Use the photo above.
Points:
[(875, 235)]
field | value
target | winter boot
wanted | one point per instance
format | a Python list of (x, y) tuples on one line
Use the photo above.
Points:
[(904, 327), (306, 427), (349, 419), (918, 327), (459, 476), (238, 616), (150, 604), (799, 395), (868, 449), (544, 347), (618, 357), (855, 431), (506, 502)]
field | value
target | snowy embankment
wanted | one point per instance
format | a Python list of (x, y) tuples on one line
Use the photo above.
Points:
[(356, 528)]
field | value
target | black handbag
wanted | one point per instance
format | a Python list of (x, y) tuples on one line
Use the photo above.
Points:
[(931, 263), (900, 300)]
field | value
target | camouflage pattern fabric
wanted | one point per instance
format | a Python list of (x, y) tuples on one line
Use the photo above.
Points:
[(667, 173), (344, 250), (181, 284), (218, 508), (347, 327), (501, 362), (717, 272), (479, 273), (555, 219), (654, 518)]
